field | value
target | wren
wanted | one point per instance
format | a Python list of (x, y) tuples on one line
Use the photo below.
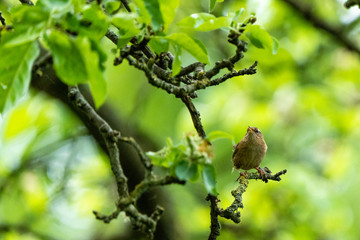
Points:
[(250, 151)]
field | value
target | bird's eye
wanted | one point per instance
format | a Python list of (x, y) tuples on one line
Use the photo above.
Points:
[(257, 130)]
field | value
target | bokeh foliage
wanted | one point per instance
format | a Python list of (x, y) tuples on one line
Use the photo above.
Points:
[(305, 99)]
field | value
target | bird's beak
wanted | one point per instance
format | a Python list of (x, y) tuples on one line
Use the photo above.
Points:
[(250, 129)]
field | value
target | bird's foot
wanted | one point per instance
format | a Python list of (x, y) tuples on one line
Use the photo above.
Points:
[(242, 174), (262, 174)]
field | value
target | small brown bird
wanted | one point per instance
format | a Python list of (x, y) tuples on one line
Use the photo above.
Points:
[(250, 151)]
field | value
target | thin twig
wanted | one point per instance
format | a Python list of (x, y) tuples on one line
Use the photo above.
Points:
[(2, 20), (267, 176), (195, 115), (146, 184), (145, 160)]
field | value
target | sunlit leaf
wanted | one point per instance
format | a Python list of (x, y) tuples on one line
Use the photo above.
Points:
[(209, 176), (204, 22), (158, 45), (236, 17), (259, 37), (15, 68), (55, 5), (98, 86), (153, 8), (156, 158), (193, 47), (177, 61), (127, 25), (212, 5), (111, 5), (69, 63), (275, 45), (29, 23), (94, 22), (96, 46), (140, 9), (76, 62), (168, 7)]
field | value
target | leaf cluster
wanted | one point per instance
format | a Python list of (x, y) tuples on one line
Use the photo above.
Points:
[(188, 160), (71, 31)]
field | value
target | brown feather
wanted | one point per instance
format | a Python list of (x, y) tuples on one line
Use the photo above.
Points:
[(250, 151)]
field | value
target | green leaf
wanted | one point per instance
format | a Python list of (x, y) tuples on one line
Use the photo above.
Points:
[(15, 68), (55, 5), (141, 10), (94, 23), (215, 135), (159, 45), (96, 46), (168, 7), (204, 22), (275, 45), (153, 8), (96, 79), (237, 18), (209, 177), (186, 171), (181, 170), (69, 63), (259, 37), (193, 47), (156, 158), (111, 5), (212, 5), (177, 61), (76, 61), (194, 172), (28, 22), (127, 25)]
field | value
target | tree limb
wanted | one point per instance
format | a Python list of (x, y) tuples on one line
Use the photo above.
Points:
[(232, 212), (108, 134), (336, 32)]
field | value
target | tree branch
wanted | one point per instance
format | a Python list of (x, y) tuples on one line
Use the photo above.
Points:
[(108, 134), (2, 20), (336, 32), (215, 224), (144, 159), (232, 212), (195, 115)]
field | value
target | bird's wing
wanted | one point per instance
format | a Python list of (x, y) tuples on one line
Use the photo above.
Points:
[(235, 151)]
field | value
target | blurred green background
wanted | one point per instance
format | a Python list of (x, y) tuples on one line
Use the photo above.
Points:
[(305, 100)]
